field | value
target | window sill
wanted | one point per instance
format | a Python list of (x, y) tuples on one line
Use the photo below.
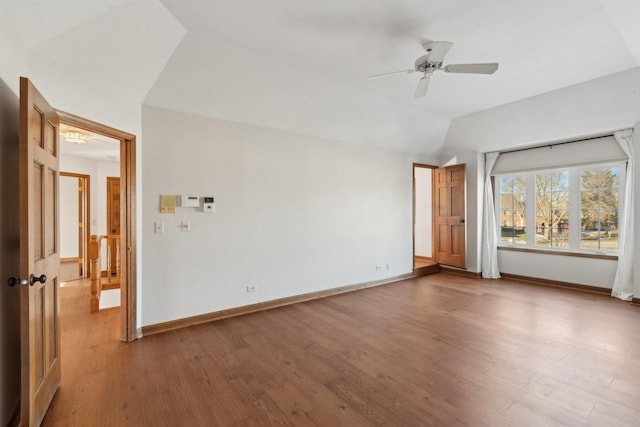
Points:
[(561, 253)]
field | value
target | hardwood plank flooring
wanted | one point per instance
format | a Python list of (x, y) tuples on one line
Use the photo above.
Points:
[(419, 262), (439, 350)]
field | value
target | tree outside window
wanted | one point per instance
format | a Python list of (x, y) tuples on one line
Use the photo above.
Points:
[(552, 209), (599, 208)]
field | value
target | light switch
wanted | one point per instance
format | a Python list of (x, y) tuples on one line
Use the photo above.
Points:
[(159, 227), (185, 226)]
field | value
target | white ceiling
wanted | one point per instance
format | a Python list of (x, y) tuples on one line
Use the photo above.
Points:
[(302, 65), (98, 147)]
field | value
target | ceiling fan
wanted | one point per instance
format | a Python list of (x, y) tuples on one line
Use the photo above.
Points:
[(433, 61)]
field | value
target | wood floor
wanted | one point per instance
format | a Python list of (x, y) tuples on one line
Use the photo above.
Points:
[(439, 350), (420, 262)]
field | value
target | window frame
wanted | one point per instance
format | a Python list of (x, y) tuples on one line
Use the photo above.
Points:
[(574, 216)]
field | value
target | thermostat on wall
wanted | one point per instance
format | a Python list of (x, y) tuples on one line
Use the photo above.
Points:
[(208, 205), (190, 202)]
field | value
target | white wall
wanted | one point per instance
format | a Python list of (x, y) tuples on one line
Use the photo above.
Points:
[(561, 268), (587, 109), (423, 212), (14, 54), (294, 214), (69, 245)]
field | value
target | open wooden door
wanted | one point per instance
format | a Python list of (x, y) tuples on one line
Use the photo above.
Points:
[(449, 215), (39, 254)]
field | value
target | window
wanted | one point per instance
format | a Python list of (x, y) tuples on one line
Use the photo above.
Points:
[(573, 208), (513, 212), (552, 209), (599, 209)]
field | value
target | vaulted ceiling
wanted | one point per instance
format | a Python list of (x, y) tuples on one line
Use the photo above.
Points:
[(301, 66)]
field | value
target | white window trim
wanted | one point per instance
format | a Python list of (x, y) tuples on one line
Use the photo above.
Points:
[(574, 206)]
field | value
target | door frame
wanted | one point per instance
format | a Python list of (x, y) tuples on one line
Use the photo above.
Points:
[(413, 236), (128, 243), (85, 217)]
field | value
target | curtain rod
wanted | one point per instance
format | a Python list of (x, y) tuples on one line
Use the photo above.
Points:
[(554, 144)]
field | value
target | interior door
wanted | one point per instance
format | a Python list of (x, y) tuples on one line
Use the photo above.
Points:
[(450, 215), (39, 254), (113, 220)]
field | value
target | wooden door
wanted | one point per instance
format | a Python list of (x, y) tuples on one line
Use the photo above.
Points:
[(113, 221), (39, 254), (449, 207)]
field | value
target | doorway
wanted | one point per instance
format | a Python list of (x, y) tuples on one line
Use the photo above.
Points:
[(75, 225), (439, 228), (125, 246), (423, 216)]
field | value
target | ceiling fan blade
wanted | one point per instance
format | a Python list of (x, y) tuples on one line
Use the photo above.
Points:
[(378, 76), (471, 68), (423, 84), (437, 50)]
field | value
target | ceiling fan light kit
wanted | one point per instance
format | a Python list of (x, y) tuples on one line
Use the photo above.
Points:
[(433, 61)]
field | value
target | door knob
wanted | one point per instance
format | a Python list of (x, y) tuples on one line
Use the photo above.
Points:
[(15, 281), (462, 221), (33, 279)]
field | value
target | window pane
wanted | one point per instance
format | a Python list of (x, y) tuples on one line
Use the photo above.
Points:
[(506, 185), (560, 199), (609, 220), (589, 219), (519, 201), (512, 227), (552, 209), (506, 226), (552, 228), (590, 179), (519, 222), (599, 209), (609, 178), (506, 218), (609, 230), (506, 201), (589, 199), (609, 199)]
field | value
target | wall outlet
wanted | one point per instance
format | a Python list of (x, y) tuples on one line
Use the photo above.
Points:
[(378, 267), (252, 288)]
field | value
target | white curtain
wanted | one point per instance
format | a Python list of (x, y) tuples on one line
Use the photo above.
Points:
[(623, 282), (490, 268)]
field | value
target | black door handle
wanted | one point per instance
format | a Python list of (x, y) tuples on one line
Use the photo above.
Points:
[(15, 281), (462, 221), (33, 279)]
